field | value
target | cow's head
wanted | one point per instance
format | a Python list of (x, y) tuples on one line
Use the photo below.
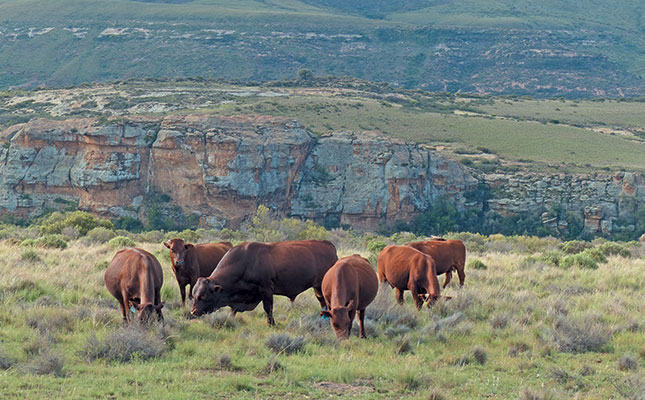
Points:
[(146, 311), (340, 319), (207, 297), (178, 249)]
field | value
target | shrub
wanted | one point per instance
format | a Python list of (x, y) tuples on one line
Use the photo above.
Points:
[(480, 355), (124, 345), (99, 234), (283, 343), (30, 255), (595, 255), (28, 243), (571, 336), (614, 249), (121, 241), (551, 257), (375, 245), (52, 241), (101, 265), (273, 365), (82, 221), (6, 361), (403, 346), (221, 319), (628, 363), (575, 246), (44, 364), (476, 264), (499, 321), (579, 260)]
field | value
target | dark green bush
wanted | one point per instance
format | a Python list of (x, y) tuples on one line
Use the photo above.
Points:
[(52, 241), (476, 264), (99, 234), (579, 260), (30, 255), (614, 249), (575, 246), (82, 221)]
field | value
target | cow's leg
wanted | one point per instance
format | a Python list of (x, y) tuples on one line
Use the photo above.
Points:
[(399, 295), (448, 278), (462, 275), (125, 306), (417, 296), (190, 290), (233, 313), (182, 291), (320, 297), (157, 302), (267, 303), (352, 315), (123, 311), (361, 322)]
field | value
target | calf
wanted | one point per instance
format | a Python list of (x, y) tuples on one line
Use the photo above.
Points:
[(253, 272), (405, 268), (134, 277), (349, 286), (448, 255), (190, 262)]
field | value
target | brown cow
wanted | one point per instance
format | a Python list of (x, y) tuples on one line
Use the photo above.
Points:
[(448, 255), (134, 277), (190, 262), (405, 268), (253, 272), (349, 286)]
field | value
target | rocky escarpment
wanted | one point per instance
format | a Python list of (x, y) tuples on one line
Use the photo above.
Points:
[(221, 168)]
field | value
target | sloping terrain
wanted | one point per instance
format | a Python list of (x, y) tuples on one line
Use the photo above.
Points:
[(543, 49)]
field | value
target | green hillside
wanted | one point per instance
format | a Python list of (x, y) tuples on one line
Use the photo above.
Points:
[(545, 49)]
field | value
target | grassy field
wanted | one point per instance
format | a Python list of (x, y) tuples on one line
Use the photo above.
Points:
[(520, 328)]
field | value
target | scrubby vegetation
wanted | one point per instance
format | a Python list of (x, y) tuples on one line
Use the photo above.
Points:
[(525, 320)]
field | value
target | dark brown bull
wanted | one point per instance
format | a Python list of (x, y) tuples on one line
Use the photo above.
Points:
[(189, 262), (134, 277), (406, 268), (349, 286), (253, 272), (448, 255)]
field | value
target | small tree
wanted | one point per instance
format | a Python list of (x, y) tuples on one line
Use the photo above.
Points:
[(305, 74)]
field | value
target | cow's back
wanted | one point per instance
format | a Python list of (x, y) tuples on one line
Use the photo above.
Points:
[(446, 253), (208, 255), (397, 263), (129, 267)]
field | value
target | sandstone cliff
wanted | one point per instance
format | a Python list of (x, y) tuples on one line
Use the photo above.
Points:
[(219, 169)]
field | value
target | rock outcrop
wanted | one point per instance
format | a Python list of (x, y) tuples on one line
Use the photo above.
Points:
[(221, 169)]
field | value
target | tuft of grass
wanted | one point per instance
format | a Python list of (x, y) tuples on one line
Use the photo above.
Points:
[(124, 345), (574, 336), (410, 379), (221, 319), (284, 343), (476, 264), (480, 355), (29, 255), (528, 394), (499, 321), (627, 362), (6, 361), (403, 346), (45, 363), (273, 365)]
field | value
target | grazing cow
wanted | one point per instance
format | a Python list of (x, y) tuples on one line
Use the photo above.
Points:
[(134, 277), (405, 268), (253, 272), (349, 286), (448, 255), (190, 262)]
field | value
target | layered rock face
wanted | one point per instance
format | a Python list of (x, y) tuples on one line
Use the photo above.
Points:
[(603, 198), (221, 168)]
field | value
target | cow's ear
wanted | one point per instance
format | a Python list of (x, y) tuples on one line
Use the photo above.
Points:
[(350, 304), (188, 246), (325, 314), (160, 306), (166, 244), (217, 288)]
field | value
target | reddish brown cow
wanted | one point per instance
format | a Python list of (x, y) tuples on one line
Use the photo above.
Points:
[(448, 255), (189, 262), (405, 268), (134, 277), (349, 286), (253, 272)]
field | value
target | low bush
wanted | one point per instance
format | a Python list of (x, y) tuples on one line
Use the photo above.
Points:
[(480, 355), (120, 242), (575, 246), (475, 263), (579, 260), (52, 241), (614, 249), (284, 343), (579, 336), (6, 361), (628, 362), (45, 363), (124, 345), (29, 255), (221, 319), (99, 235)]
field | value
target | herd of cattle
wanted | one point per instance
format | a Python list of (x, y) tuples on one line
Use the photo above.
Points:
[(240, 277)]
